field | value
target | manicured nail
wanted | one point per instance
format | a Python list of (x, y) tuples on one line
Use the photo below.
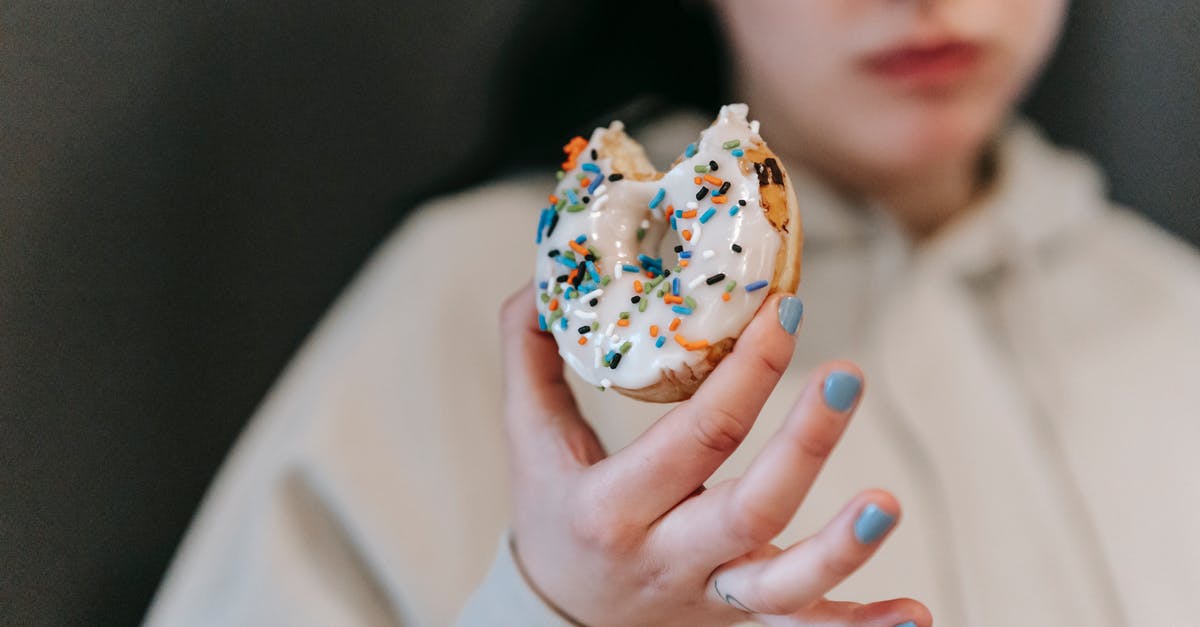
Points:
[(791, 310), (872, 523), (907, 623), (841, 388)]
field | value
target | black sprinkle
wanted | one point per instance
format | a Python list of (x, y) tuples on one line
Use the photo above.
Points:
[(716, 278), (615, 360), (666, 273), (736, 248), (635, 300), (702, 193), (589, 257), (562, 278), (584, 329), (742, 203), (724, 188), (593, 302), (554, 252), (616, 176), (712, 165), (586, 199), (553, 223), (594, 155), (679, 249), (578, 279)]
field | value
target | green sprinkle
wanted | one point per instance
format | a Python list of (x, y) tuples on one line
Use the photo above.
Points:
[(624, 315), (625, 347), (690, 302), (594, 253), (701, 169), (576, 208), (730, 285), (641, 234), (562, 202), (655, 281), (733, 143), (677, 269), (595, 326), (642, 304), (661, 292), (555, 315), (571, 295), (559, 175), (545, 297), (605, 279), (557, 289), (569, 254)]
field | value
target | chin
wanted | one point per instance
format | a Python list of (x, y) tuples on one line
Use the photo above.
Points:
[(924, 137)]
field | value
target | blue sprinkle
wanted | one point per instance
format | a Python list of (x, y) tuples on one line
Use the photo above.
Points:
[(628, 268), (591, 268), (581, 239), (733, 210), (679, 213), (573, 197), (541, 322), (594, 184), (675, 286), (680, 309), (690, 151), (707, 215), (737, 152), (674, 227), (563, 323), (687, 254), (590, 167), (659, 342), (543, 220), (658, 198), (608, 357), (757, 285), (650, 262), (567, 262), (543, 285)]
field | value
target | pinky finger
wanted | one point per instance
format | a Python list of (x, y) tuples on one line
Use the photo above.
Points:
[(891, 613)]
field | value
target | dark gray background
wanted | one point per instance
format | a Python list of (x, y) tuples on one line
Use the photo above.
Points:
[(184, 188)]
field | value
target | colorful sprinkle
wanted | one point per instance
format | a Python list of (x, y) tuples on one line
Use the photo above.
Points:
[(681, 310), (541, 322), (674, 324), (733, 143), (659, 342), (737, 152), (700, 169), (690, 151), (590, 167), (708, 214), (757, 285), (658, 198), (716, 278)]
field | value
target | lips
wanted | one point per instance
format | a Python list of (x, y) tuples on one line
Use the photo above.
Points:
[(932, 65)]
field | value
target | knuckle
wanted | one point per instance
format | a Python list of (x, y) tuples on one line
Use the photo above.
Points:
[(774, 362), (752, 526), (838, 566), (593, 524), (719, 430), (817, 441)]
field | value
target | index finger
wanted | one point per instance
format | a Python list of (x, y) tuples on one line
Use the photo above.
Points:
[(686, 446)]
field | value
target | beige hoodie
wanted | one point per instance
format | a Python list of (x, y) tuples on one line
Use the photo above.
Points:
[(1033, 399)]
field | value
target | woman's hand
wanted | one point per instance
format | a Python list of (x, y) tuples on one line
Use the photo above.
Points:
[(634, 538)]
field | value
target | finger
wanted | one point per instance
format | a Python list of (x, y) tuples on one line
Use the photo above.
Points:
[(802, 575), (684, 447), (542, 419), (735, 517), (890, 613)]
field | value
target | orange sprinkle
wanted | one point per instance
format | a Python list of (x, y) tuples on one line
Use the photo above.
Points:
[(725, 296), (713, 180), (671, 299), (650, 274), (690, 213), (670, 210), (585, 182), (582, 340), (697, 345), (623, 322), (698, 180), (571, 277), (553, 305), (682, 342), (637, 286), (674, 324), (683, 263), (718, 200), (553, 199), (687, 235), (577, 247), (654, 330)]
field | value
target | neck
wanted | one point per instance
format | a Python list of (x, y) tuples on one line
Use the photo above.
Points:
[(923, 202)]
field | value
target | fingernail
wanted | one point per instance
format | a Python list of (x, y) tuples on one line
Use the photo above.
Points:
[(907, 623), (841, 388), (872, 523), (791, 310)]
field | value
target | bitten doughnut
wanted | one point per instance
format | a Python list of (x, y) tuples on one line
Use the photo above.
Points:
[(646, 279)]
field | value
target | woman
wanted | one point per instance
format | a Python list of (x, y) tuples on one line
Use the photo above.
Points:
[(1030, 350)]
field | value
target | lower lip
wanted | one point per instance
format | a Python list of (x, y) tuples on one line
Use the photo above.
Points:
[(931, 67)]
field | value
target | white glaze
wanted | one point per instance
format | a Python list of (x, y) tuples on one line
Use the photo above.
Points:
[(611, 221)]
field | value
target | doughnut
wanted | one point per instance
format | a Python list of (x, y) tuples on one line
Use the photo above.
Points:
[(646, 279)]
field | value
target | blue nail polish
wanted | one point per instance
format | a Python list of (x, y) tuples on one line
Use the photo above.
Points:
[(907, 623), (841, 390), (872, 523), (791, 310)]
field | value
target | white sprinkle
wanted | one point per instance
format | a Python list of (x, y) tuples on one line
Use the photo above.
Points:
[(618, 270), (600, 191), (596, 293), (645, 224), (691, 204), (707, 254), (605, 383), (598, 358), (695, 234), (754, 126), (611, 327), (599, 202), (615, 339), (697, 281), (583, 315)]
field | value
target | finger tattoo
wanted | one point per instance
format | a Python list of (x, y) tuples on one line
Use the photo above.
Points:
[(729, 598)]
